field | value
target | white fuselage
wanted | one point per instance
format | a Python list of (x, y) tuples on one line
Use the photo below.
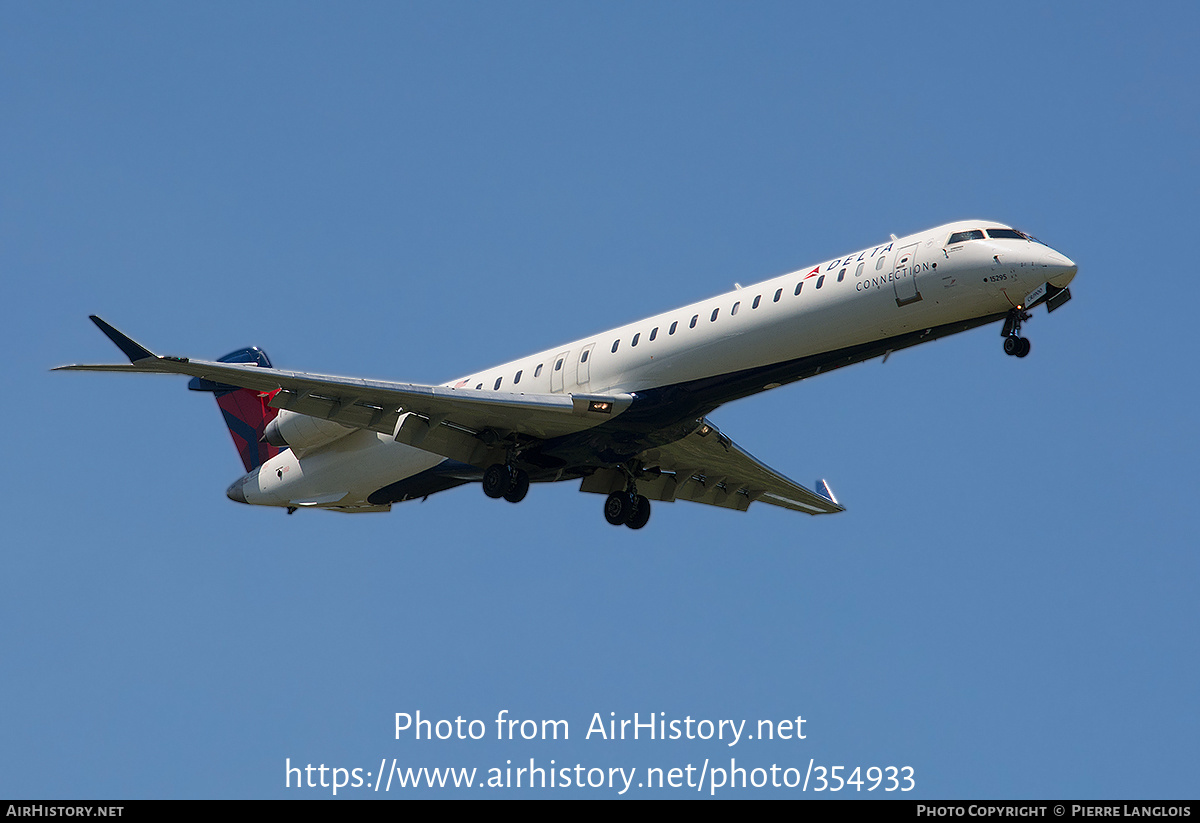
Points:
[(884, 291)]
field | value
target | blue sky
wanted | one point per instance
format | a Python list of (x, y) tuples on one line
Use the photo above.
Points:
[(413, 192)]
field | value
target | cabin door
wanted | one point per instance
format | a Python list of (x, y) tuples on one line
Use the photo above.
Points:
[(584, 373), (904, 275), (557, 367)]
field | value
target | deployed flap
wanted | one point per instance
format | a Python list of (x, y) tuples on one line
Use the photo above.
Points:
[(377, 404), (708, 467)]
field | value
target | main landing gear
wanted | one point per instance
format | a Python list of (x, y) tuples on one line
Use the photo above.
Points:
[(1014, 343), (628, 508), (505, 481), (623, 508)]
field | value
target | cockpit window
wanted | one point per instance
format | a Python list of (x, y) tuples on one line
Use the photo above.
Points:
[(1005, 234), (960, 236)]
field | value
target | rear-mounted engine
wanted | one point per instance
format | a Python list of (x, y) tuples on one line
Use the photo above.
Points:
[(302, 432)]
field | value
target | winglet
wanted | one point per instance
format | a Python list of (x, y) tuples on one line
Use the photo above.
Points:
[(826, 492), (134, 351)]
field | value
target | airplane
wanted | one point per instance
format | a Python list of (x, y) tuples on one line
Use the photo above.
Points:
[(625, 412)]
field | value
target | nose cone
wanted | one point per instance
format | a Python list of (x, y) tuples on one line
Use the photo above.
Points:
[(1062, 270), (235, 492)]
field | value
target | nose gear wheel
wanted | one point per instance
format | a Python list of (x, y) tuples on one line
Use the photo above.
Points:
[(1014, 343)]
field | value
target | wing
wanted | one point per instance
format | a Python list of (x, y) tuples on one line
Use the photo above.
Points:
[(470, 426), (456, 423), (708, 467)]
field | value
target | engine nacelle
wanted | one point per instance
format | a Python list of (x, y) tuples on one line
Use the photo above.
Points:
[(301, 431)]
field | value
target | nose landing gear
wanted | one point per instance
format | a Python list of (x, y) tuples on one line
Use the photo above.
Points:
[(1014, 343), (1016, 346)]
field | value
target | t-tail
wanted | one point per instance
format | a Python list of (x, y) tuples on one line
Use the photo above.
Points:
[(246, 411)]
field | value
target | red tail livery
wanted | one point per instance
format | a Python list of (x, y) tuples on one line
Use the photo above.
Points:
[(245, 410)]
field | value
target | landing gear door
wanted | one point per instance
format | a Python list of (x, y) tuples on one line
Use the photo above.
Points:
[(904, 276), (556, 371)]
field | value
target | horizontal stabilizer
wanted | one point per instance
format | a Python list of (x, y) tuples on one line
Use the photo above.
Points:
[(134, 351)]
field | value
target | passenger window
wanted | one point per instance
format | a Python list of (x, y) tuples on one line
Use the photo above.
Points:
[(538, 371), (858, 271), (478, 386), (517, 379), (879, 263), (616, 343), (841, 274), (778, 294), (497, 386), (820, 281), (558, 365), (799, 286), (713, 319), (654, 333), (692, 325), (673, 327), (733, 311), (757, 299), (635, 339), (583, 357)]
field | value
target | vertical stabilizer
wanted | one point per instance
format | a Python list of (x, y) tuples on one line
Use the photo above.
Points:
[(246, 411)]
